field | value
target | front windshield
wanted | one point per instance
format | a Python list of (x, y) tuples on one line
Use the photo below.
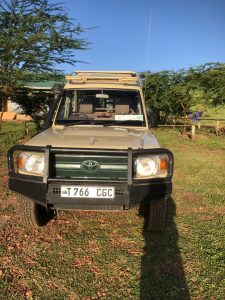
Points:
[(105, 107)]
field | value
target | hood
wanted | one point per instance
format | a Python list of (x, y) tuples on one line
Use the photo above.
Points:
[(96, 137)]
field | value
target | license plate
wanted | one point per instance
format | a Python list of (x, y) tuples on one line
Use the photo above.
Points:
[(87, 192)]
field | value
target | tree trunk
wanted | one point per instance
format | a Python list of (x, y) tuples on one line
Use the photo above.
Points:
[(1, 113), (185, 122), (4, 102)]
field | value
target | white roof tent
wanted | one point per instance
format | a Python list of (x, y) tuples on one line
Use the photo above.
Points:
[(107, 77)]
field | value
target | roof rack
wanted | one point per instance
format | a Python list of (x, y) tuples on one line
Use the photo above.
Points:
[(115, 77), (106, 73)]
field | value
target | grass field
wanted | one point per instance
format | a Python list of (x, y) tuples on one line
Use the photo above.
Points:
[(213, 113), (83, 255)]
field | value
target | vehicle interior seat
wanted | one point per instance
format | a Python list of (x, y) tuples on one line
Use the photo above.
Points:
[(122, 109), (86, 108)]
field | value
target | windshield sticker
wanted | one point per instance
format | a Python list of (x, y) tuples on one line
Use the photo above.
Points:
[(129, 117)]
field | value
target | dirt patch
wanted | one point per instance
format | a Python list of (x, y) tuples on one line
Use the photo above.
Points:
[(205, 217), (183, 229), (203, 211), (4, 219), (193, 210), (220, 210), (190, 196), (129, 246), (202, 137)]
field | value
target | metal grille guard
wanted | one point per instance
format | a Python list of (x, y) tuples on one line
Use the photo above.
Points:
[(48, 150)]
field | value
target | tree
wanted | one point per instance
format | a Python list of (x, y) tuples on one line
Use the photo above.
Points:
[(36, 36), (170, 93), (156, 87), (174, 94), (184, 87), (210, 79), (34, 104)]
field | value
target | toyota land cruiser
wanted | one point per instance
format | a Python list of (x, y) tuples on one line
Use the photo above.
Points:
[(96, 152)]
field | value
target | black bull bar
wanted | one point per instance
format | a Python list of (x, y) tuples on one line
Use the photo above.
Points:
[(39, 184)]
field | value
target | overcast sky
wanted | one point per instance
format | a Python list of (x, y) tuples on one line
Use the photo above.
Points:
[(183, 33)]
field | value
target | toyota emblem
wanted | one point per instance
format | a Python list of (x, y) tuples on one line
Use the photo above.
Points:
[(90, 166)]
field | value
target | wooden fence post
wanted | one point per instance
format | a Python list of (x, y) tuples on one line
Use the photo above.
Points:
[(174, 122), (193, 132), (26, 130), (217, 127)]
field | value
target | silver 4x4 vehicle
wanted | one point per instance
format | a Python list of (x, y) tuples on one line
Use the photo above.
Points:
[(96, 152)]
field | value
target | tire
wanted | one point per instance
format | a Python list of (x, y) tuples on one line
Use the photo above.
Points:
[(34, 215), (156, 214)]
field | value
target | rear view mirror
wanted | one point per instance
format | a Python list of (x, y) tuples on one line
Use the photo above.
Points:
[(103, 96)]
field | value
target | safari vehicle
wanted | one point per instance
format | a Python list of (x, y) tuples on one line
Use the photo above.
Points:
[(96, 152)]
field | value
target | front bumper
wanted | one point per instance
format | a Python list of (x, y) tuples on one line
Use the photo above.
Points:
[(46, 190)]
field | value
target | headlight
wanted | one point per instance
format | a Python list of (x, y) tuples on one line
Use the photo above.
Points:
[(151, 166), (30, 162)]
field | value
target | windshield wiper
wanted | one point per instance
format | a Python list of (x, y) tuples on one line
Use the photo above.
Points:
[(115, 122), (77, 123)]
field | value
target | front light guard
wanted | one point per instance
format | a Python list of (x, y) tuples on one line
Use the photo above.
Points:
[(48, 150), (15, 150)]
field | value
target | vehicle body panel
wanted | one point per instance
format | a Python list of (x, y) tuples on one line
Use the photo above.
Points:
[(96, 137)]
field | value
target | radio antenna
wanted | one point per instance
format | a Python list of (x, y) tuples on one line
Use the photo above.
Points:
[(149, 35), (148, 47)]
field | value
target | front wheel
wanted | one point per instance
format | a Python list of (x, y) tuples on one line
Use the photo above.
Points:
[(33, 214), (156, 215)]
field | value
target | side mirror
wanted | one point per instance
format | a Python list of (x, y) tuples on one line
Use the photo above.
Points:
[(153, 119)]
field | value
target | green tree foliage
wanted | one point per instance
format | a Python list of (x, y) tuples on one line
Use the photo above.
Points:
[(36, 36), (173, 94), (35, 103), (169, 93), (210, 80)]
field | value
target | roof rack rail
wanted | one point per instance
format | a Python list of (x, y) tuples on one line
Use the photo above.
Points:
[(115, 77), (105, 73)]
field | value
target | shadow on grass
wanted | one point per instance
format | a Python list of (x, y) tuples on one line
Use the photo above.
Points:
[(162, 273)]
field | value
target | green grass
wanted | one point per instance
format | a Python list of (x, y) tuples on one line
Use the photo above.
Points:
[(13, 132), (212, 112), (93, 255), (215, 113)]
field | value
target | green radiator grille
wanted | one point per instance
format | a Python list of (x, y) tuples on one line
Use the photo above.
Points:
[(90, 167)]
